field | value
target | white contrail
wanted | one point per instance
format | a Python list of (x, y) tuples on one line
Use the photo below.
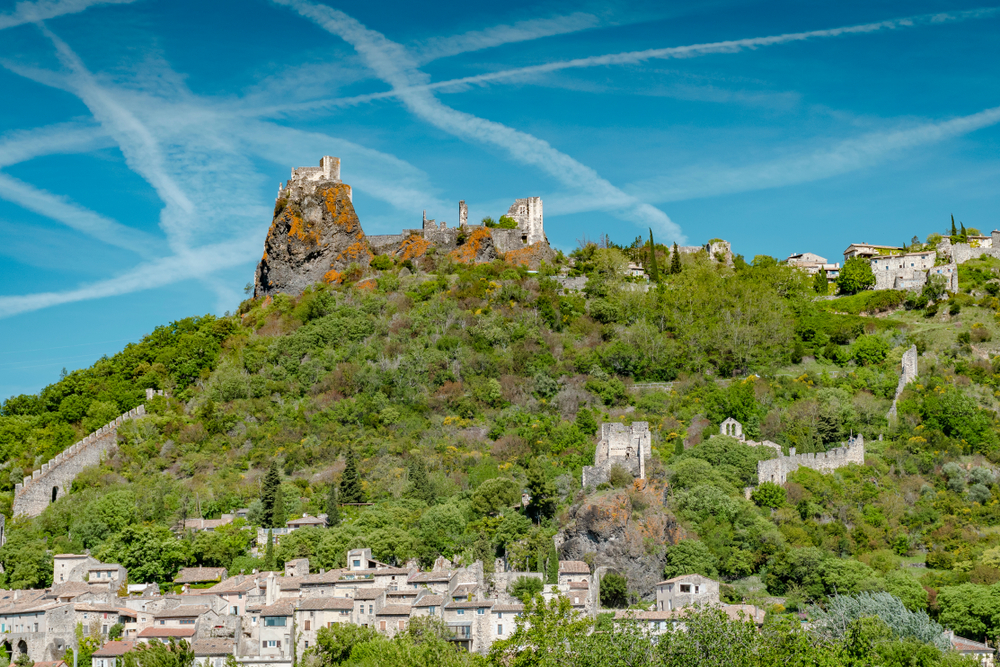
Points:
[(194, 264), (850, 155), (520, 74), (522, 31), (394, 65), (32, 12)]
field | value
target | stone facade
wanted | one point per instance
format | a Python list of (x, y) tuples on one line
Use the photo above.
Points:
[(907, 375), (53, 479), (687, 590), (910, 271), (777, 470), (627, 446)]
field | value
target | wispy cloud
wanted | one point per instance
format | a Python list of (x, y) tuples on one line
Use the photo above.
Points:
[(849, 155), (397, 67), (521, 31), (195, 264), (42, 10), (531, 73)]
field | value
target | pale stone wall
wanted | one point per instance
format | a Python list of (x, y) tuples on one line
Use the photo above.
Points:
[(528, 213), (627, 446), (907, 375), (777, 470), (54, 479)]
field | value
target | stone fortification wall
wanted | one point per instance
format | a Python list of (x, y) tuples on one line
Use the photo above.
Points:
[(54, 478), (907, 375), (627, 446), (777, 470), (384, 244), (528, 213), (963, 252), (915, 279)]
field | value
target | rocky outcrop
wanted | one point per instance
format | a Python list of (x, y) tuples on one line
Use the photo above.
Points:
[(477, 248), (315, 235), (625, 531)]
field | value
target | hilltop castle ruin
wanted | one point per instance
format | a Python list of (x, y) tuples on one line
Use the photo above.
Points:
[(625, 446), (316, 236)]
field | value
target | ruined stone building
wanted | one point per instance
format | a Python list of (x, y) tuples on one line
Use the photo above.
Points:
[(626, 446), (777, 470), (734, 429)]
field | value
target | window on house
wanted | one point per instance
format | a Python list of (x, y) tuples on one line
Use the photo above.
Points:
[(430, 610), (307, 625), (480, 611), (499, 629), (104, 629), (381, 626), (187, 621), (239, 596), (236, 611), (402, 625), (307, 644), (357, 563), (274, 621), (685, 588), (460, 612), (161, 622), (371, 609)]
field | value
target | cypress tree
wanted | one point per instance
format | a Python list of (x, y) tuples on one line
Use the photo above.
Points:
[(420, 485), (954, 232), (280, 515), (675, 260), (962, 232), (820, 283), (270, 493), (654, 270), (332, 510), (553, 572), (350, 483)]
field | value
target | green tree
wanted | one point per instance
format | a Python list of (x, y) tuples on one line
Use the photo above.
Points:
[(954, 232), (542, 492), (821, 284), (115, 632), (524, 588), (675, 260), (962, 233), (614, 591), (870, 350), (654, 271), (351, 490), (149, 553), (332, 507), (496, 495), (586, 422), (768, 494), (157, 654), (855, 276), (269, 559), (970, 610), (552, 562), (690, 557), (420, 484), (271, 496), (840, 611), (220, 547), (544, 636)]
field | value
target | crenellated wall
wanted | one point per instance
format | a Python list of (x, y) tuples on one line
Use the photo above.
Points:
[(54, 479), (777, 470)]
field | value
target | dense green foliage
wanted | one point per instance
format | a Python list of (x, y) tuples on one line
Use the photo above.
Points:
[(418, 410)]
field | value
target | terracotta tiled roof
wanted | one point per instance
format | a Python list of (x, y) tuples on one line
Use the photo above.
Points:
[(579, 585), (280, 608), (329, 577), (963, 645), (685, 577), (508, 608), (394, 610), (573, 567), (51, 663), (430, 577), (184, 611), (475, 604), (194, 575), (212, 647), (113, 649), (205, 524), (238, 584), (166, 632), (430, 601), (368, 593), (289, 583), (310, 604)]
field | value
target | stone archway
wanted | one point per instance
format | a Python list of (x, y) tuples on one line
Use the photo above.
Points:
[(22, 647)]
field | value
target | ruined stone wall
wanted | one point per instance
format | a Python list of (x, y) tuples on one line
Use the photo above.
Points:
[(507, 240), (963, 252), (600, 472), (384, 244), (54, 479), (777, 470), (907, 375), (528, 213)]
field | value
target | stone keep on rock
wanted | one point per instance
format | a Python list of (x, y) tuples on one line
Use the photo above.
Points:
[(315, 235)]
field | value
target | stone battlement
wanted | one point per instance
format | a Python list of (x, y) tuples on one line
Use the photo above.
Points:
[(328, 170), (56, 476), (777, 470)]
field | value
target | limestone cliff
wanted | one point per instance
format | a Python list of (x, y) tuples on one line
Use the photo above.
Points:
[(315, 235)]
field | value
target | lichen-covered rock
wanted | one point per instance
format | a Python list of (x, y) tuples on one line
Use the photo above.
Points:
[(625, 531), (532, 256), (315, 237), (477, 248)]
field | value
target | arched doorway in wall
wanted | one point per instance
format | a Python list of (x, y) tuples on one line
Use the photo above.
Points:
[(55, 493), (22, 647)]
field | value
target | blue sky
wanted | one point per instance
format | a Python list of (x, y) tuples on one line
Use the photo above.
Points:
[(142, 142)]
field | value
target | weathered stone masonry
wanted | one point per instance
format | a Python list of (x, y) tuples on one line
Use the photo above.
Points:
[(777, 470), (54, 479), (627, 446)]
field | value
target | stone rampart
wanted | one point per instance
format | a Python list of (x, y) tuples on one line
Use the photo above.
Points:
[(777, 470), (55, 477), (963, 252), (906, 376)]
